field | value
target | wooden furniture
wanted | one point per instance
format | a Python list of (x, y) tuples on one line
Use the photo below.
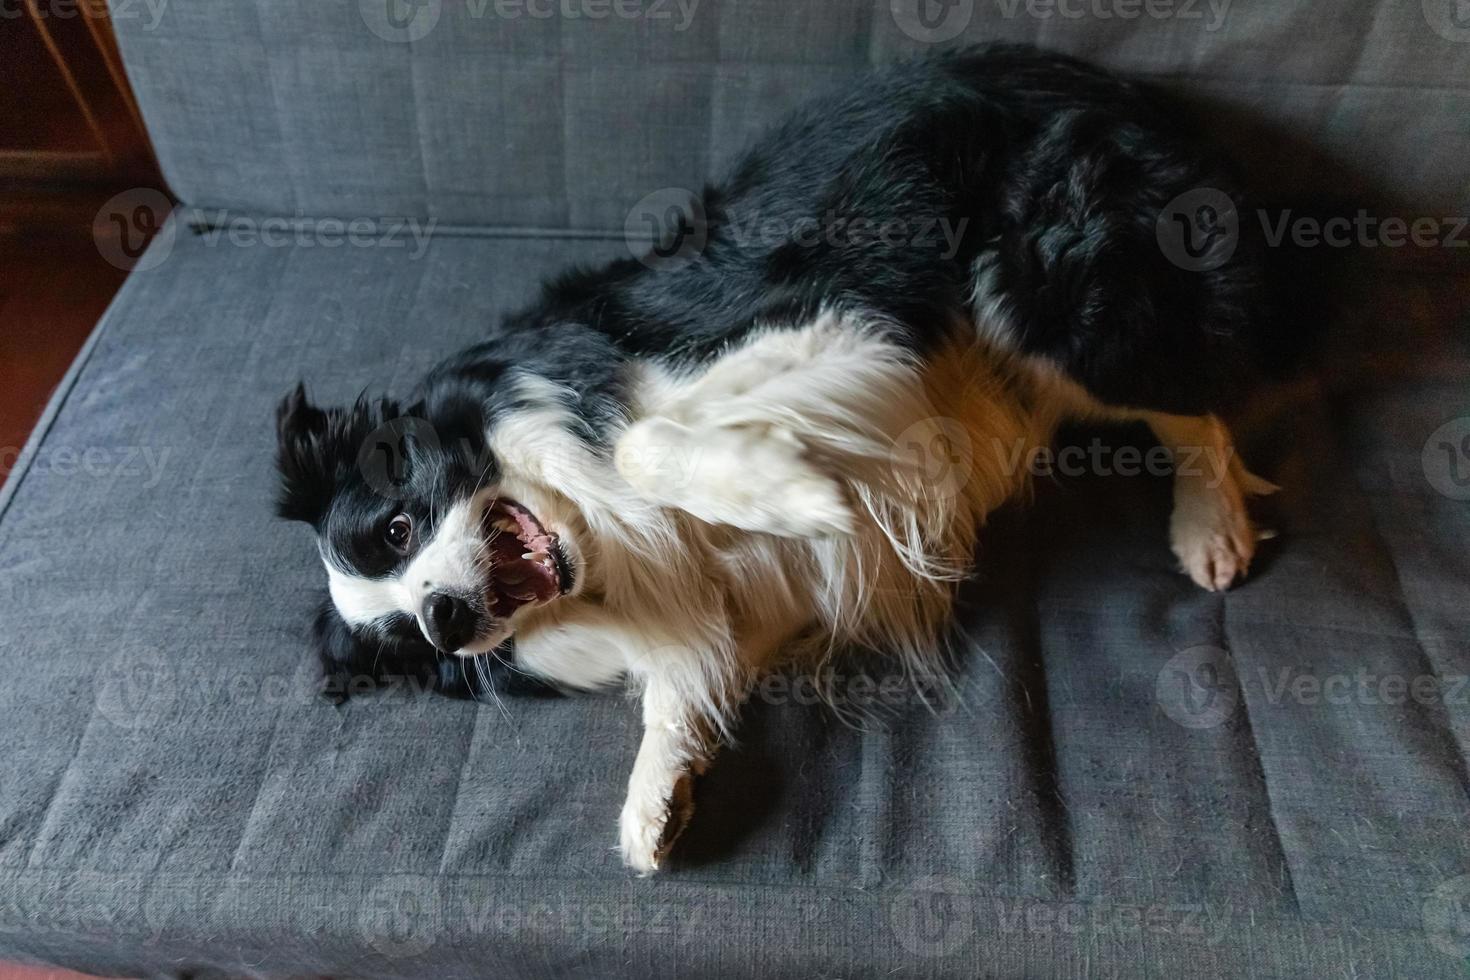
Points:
[(70, 116), (71, 139)]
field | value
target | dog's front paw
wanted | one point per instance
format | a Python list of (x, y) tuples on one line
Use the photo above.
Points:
[(651, 823), (759, 478), (798, 500)]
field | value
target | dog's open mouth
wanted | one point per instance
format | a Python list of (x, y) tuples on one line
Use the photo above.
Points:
[(527, 564)]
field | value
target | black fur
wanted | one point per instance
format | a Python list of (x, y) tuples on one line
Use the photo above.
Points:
[(1059, 169), (317, 451), (363, 662)]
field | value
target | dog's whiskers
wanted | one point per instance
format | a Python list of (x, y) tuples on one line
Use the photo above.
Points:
[(487, 681)]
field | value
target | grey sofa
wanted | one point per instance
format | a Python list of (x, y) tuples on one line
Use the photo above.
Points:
[(1137, 779)]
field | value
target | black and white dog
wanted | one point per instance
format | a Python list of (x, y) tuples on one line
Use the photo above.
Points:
[(683, 470)]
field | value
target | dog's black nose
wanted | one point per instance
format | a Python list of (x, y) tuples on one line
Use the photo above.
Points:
[(450, 621)]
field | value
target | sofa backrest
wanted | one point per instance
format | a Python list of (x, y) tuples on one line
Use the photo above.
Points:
[(560, 114)]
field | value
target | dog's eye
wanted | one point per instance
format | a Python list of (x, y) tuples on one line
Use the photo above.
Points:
[(399, 532)]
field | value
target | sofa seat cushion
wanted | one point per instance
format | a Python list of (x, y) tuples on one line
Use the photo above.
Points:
[(1128, 771)]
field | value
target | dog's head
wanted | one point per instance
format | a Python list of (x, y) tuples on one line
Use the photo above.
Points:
[(415, 525)]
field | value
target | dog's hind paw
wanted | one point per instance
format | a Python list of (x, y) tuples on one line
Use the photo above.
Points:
[(1211, 532), (1216, 559)]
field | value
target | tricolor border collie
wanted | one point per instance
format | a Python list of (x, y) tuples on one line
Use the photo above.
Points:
[(683, 470)]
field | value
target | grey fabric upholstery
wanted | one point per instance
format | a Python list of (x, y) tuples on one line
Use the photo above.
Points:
[(1132, 778), (497, 117)]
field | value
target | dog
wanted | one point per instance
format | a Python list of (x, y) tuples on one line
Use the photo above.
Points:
[(684, 470)]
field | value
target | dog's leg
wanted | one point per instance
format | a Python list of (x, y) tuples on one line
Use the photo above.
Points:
[(756, 477), (1210, 530), (686, 682), (677, 746), (747, 442)]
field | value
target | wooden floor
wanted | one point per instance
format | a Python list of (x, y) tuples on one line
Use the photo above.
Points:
[(54, 285), (14, 971)]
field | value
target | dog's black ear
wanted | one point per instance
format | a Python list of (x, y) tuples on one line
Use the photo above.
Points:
[(316, 448), (303, 458)]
